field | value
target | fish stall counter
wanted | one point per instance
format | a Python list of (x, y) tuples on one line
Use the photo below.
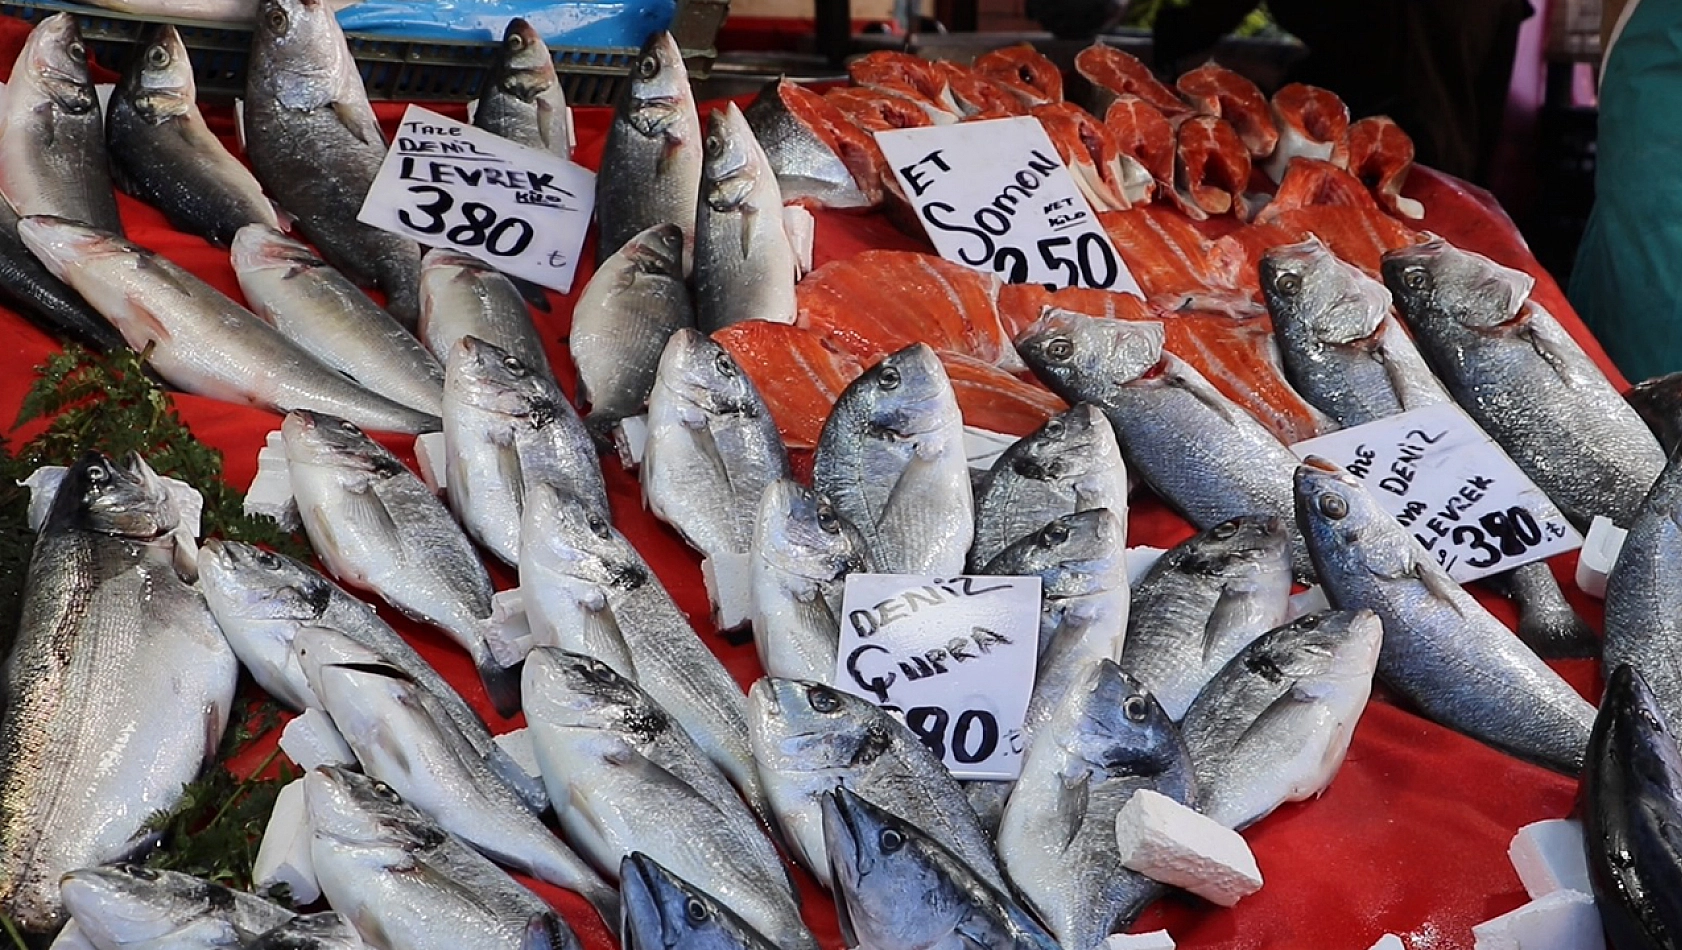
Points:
[(1410, 839)]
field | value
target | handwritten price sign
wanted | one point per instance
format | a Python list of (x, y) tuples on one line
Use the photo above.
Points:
[(522, 210)]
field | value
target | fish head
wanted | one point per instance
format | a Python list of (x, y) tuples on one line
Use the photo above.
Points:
[(1334, 300), (800, 532), (316, 438), (528, 68), (487, 377), (303, 51), (658, 92), (1319, 653), (353, 809), (704, 375), (61, 242), (259, 247), (660, 910), (799, 726), (905, 395), (1632, 731), (57, 60), (129, 905), (888, 889), (1436, 280), (1340, 520), (578, 542), (1118, 728), (1244, 546), (732, 163), (566, 689), (125, 500), (1067, 446), (245, 581), (1083, 552), (657, 251), (1073, 353), (159, 83)]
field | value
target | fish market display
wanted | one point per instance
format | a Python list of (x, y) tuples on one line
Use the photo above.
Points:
[(651, 166), (522, 100), (52, 136), (30, 289), (1644, 595), (802, 553), (661, 909), (631, 307), (745, 265), (87, 756), (130, 907), (163, 153), (1274, 724), (462, 296)]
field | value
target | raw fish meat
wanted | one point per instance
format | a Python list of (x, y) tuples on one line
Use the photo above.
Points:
[(1029, 76), (1214, 166), (797, 373), (1311, 123), (1217, 91), (1381, 155), (1113, 74)]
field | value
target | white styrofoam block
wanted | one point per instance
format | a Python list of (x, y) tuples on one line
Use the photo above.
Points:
[(430, 453), (982, 447), (71, 937), (630, 438), (1169, 842), (1548, 856), (1389, 942), (270, 493), (284, 855), (1140, 559), (1155, 940), (311, 739), (1599, 553), (729, 580), (802, 231), (508, 634), (1309, 601), (571, 129), (102, 91), (517, 743), (1563, 920)]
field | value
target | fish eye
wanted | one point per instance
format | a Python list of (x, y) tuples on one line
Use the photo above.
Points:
[(77, 50), (268, 559), (1416, 278), (157, 57), (1287, 283), (98, 474), (823, 699), (1059, 348), (1224, 531), (516, 42), (598, 672), (513, 365), (888, 378), (1055, 533), (385, 792), (890, 840), (144, 873), (648, 67), (695, 911), (714, 146), (724, 364), (598, 526), (1136, 708), (1333, 505), (1054, 429), (277, 20), (345, 426), (828, 521)]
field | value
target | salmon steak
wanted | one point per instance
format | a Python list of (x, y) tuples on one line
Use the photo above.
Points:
[(821, 158), (1111, 179), (1218, 91), (1380, 154), (1114, 74), (1312, 123), (1033, 79), (1213, 166)]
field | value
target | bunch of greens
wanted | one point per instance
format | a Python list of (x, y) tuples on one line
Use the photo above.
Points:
[(1141, 15)]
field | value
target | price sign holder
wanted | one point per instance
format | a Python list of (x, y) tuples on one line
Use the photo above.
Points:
[(952, 657), (522, 210), (995, 196), (1444, 480)]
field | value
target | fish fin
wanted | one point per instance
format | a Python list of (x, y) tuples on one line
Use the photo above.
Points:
[(215, 722), (502, 683), (360, 122), (1229, 608), (1440, 585), (153, 328), (1068, 810), (363, 508), (749, 216), (546, 931), (508, 467)]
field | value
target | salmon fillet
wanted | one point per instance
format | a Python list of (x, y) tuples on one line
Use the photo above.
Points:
[(798, 374)]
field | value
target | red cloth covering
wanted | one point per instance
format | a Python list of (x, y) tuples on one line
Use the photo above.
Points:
[(1410, 839)]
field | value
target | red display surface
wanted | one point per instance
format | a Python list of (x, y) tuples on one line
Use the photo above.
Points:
[(1411, 838)]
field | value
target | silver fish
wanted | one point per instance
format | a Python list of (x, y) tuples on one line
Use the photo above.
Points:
[(130, 907), (1197, 449), (1201, 603), (31, 291), (52, 136), (163, 153), (712, 447), (202, 342), (1442, 650), (899, 889), (807, 167), (632, 305), (319, 309), (316, 145), (802, 553), (522, 100), (809, 739), (1274, 724), (328, 930), (651, 164), (1072, 463), (1105, 741), (87, 756), (1644, 595), (745, 265), (462, 296), (262, 600), (377, 528), (408, 884), (1516, 371), (891, 459), (661, 910), (507, 429)]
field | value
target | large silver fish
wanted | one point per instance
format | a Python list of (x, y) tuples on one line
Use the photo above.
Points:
[(130, 907), (651, 164), (52, 136), (1442, 650), (745, 265), (315, 144), (117, 686), (1529, 385), (891, 459), (31, 291), (163, 153), (522, 100), (661, 910), (1644, 595), (201, 341), (807, 167), (802, 553), (462, 296)]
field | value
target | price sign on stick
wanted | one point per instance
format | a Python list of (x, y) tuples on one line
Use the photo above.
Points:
[(995, 196), (447, 184)]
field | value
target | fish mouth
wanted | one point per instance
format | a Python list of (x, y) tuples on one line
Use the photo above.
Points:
[(1320, 464)]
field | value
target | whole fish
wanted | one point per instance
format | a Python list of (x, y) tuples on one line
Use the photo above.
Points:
[(651, 164), (745, 265), (377, 528), (328, 930), (30, 290), (1516, 371), (591, 592), (1442, 650), (896, 888), (802, 553), (1105, 741), (202, 342), (402, 736), (1198, 450), (1275, 722), (712, 446), (891, 459), (1644, 595), (52, 137), (462, 296), (131, 907), (262, 600), (319, 309), (660, 909), (315, 144), (632, 305), (615, 801), (408, 884), (163, 153), (1072, 463), (508, 429), (1201, 603), (86, 757), (808, 167), (522, 100), (1631, 807), (809, 740)]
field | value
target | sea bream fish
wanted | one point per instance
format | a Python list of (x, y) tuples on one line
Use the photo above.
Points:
[(52, 136), (661, 910), (163, 153), (131, 907), (745, 264), (522, 100), (651, 164), (462, 296), (802, 553), (86, 757)]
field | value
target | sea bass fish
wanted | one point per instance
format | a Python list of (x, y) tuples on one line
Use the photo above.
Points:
[(661, 909), (523, 101), (130, 907), (1644, 598), (745, 265), (632, 305), (802, 552), (29, 289), (651, 164)]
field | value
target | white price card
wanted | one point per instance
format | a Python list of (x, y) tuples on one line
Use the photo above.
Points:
[(522, 210), (1443, 478), (952, 657), (995, 196)]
